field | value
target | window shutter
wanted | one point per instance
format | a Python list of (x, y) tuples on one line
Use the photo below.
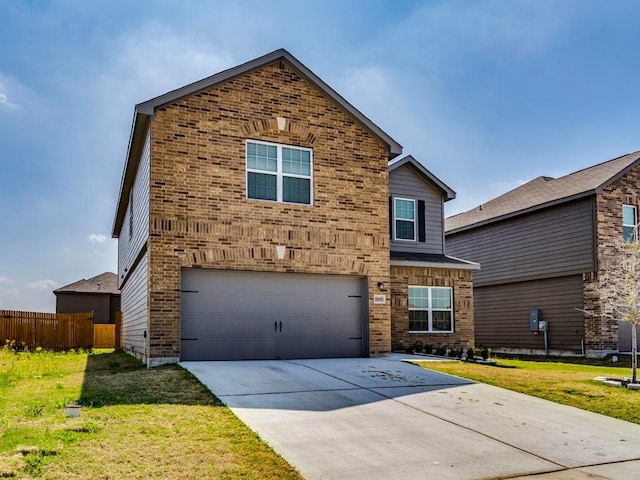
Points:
[(390, 217), (422, 234)]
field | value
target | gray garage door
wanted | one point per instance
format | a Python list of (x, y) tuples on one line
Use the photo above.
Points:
[(237, 315)]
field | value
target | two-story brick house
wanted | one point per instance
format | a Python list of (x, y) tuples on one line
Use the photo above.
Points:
[(252, 221), (545, 246)]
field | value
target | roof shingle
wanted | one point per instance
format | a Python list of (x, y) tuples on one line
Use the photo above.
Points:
[(543, 192), (106, 282)]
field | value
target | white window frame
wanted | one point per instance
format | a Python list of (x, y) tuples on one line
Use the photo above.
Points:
[(415, 222), (279, 174), (430, 309), (634, 226)]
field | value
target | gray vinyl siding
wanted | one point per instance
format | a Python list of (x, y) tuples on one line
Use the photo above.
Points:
[(502, 314), (134, 305), (131, 246), (406, 184), (98, 303), (553, 242)]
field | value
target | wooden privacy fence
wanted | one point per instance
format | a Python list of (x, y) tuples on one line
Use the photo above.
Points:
[(57, 331)]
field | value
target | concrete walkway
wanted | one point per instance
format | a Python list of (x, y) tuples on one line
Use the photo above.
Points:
[(383, 418)]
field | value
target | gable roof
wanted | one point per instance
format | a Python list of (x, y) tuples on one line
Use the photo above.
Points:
[(106, 282), (425, 174), (544, 192), (145, 110)]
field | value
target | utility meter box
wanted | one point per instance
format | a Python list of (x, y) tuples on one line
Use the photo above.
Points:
[(543, 326), (534, 319)]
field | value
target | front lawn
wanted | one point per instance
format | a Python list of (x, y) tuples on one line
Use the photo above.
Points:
[(135, 423), (566, 383)]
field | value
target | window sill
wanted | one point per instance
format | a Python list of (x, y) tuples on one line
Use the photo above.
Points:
[(427, 331)]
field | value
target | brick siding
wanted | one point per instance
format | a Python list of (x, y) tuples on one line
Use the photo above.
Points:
[(601, 334), (462, 283), (200, 216)]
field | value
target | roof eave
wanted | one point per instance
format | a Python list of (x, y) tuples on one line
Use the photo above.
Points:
[(148, 107), (449, 193), (519, 213), (139, 127), (600, 188), (454, 266), (145, 110)]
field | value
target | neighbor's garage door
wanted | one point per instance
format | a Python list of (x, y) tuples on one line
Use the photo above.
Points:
[(238, 315)]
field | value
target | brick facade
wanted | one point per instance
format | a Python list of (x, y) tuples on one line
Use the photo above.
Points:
[(200, 216), (601, 334), (462, 283)]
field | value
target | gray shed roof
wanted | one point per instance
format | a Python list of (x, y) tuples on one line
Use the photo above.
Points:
[(420, 169), (145, 110), (106, 282), (543, 192)]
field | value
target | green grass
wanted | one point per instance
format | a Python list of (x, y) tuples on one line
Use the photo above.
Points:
[(567, 383), (135, 423)]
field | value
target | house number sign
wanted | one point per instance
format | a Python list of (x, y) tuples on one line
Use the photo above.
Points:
[(379, 299)]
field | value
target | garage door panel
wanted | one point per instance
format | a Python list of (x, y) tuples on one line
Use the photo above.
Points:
[(255, 315), (238, 348)]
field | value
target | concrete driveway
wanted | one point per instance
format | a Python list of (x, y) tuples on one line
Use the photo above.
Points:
[(383, 418)]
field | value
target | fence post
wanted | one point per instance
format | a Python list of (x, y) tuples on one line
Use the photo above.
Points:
[(118, 342)]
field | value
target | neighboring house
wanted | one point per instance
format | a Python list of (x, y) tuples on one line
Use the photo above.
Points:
[(252, 222), (431, 293), (98, 294), (544, 246)]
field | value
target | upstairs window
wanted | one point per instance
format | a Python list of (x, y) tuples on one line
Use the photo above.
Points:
[(404, 224), (430, 309), (279, 173), (629, 223)]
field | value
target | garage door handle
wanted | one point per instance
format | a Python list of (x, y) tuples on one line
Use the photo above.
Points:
[(275, 326), (280, 326)]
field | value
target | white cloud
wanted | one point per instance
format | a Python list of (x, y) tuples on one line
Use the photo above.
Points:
[(370, 81), (519, 28), (45, 284), (9, 90), (16, 96), (4, 280), (97, 238), (154, 60), (4, 98), (4, 101), (34, 297), (528, 28)]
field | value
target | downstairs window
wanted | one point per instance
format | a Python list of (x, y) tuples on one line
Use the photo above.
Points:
[(430, 309)]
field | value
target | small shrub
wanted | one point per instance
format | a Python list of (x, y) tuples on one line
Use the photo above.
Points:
[(90, 427), (7, 379), (35, 409), (456, 352), (441, 350), (34, 461)]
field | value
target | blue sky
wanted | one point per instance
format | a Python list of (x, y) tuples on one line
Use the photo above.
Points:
[(486, 94)]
